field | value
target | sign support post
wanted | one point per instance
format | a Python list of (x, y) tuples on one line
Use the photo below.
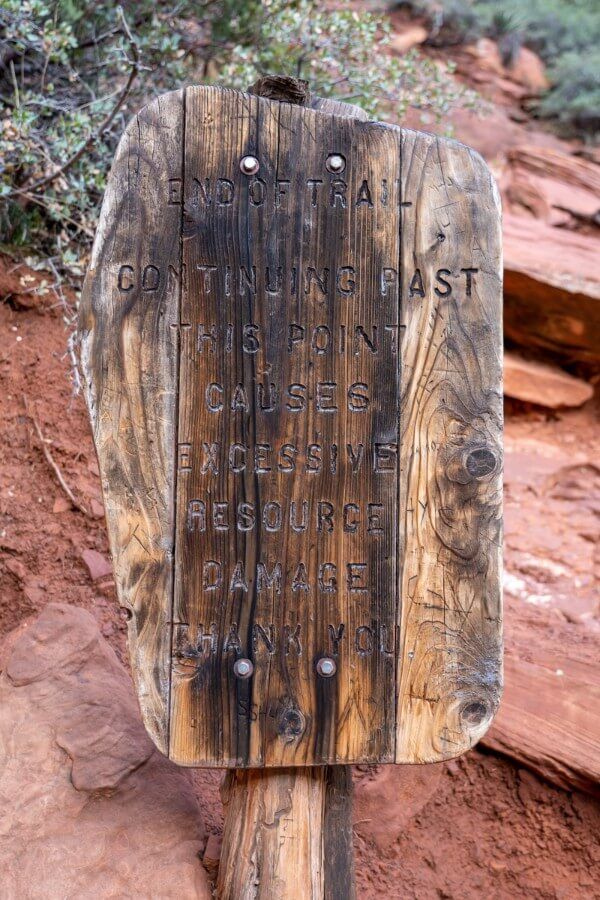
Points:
[(288, 833)]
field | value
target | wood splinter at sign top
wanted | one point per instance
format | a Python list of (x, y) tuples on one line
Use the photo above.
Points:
[(291, 342)]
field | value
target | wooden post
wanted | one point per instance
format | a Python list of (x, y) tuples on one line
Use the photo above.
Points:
[(288, 834), (291, 346)]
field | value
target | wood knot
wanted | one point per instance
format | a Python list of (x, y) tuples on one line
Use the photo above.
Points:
[(472, 463), (291, 724), (480, 462), (474, 713), (283, 88)]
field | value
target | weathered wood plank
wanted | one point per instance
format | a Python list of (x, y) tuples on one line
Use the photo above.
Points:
[(338, 108), (299, 266), (449, 666), (129, 363)]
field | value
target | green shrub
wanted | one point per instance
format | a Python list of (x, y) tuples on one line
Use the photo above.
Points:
[(72, 72), (559, 30), (550, 27), (574, 100)]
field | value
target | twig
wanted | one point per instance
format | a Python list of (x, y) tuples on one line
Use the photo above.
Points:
[(48, 179), (71, 345), (33, 199), (44, 70), (52, 464), (15, 85)]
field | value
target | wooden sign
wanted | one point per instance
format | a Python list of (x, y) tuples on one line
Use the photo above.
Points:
[(291, 340)]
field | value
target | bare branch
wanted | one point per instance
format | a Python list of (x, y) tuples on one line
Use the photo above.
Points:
[(33, 199), (52, 464), (135, 67)]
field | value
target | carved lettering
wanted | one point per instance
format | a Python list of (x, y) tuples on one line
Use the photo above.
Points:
[(321, 517), (192, 645)]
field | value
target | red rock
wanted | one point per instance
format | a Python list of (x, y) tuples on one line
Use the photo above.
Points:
[(16, 568), (90, 807), (568, 186), (486, 56), (528, 70), (96, 508), (521, 77), (35, 594), (510, 89), (212, 850), (549, 719), (98, 566), (551, 288), (13, 545), (552, 501), (492, 133), (88, 486), (536, 382), (385, 801), (403, 41), (212, 855)]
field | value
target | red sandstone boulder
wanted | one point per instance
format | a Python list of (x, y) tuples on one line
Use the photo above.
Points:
[(523, 75), (528, 69), (98, 566), (536, 382), (411, 36), (566, 187), (549, 719), (551, 259), (90, 808), (551, 288)]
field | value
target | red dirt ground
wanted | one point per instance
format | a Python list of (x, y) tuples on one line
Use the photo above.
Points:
[(490, 829)]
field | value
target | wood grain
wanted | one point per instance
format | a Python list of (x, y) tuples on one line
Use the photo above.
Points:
[(409, 236), (129, 364), (449, 666), (288, 833), (316, 246)]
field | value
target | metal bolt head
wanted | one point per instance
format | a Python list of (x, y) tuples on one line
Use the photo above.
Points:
[(243, 668), (249, 165), (326, 667), (335, 163)]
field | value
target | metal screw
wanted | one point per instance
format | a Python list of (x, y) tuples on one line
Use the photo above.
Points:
[(243, 668), (249, 165), (326, 667), (335, 163)]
